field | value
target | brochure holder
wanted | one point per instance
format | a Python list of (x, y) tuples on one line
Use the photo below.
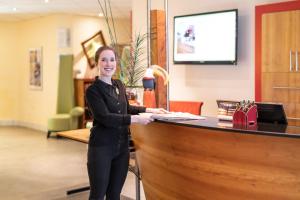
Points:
[(245, 116)]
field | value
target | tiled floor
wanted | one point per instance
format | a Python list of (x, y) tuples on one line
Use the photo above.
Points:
[(32, 167)]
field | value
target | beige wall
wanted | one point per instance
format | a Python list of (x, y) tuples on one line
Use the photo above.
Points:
[(9, 71), (33, 107), (37, 105), (208, 83), (84, 27), (189, 82)]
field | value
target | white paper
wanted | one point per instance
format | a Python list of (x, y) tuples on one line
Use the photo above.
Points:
[(174, 116)]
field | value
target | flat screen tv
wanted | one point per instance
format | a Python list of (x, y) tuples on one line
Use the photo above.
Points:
[(206, 38)]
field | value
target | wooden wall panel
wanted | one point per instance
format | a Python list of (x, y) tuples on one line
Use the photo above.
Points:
[(158, 53), (259, 12)]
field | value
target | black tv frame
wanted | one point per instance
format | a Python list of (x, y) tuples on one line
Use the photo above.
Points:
[(224, 62)]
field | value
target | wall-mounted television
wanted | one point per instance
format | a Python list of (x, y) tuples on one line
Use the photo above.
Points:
[(206, 38)]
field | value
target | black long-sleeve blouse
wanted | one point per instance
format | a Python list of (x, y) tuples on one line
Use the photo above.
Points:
[(111, 112)]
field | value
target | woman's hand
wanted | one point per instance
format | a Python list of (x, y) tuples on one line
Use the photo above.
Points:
[(139, 119), (157, 110)]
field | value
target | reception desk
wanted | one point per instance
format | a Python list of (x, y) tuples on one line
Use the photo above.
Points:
[(206, 159)]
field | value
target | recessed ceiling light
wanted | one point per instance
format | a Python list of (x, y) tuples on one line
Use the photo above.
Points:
[(100, 14), (46, 1)]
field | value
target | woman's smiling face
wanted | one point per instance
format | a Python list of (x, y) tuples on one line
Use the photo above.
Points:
[(107, 63)]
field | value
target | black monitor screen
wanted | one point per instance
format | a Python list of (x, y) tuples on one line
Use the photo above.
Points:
[(271, 113)]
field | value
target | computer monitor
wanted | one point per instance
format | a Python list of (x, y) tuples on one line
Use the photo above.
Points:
[(271, 113)]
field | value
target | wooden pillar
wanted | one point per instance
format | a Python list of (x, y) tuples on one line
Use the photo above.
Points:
[(158, 53)]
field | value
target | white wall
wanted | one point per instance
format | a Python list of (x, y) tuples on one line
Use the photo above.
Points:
[(208, 83)]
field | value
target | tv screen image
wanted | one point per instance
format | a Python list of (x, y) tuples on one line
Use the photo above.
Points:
[(206, 38)]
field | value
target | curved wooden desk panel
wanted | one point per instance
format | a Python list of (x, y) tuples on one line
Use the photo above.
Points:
[(194, 163)]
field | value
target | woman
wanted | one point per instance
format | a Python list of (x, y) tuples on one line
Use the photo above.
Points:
[(108, 154)]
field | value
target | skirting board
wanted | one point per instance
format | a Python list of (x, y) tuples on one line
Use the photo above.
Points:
[(23, 124)]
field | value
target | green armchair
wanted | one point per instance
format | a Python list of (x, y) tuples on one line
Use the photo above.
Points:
[(63, 122), (67, 116)]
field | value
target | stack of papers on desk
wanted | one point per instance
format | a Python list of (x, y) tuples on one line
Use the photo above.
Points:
[(174, 116)]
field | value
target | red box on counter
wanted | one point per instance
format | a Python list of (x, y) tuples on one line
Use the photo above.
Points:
[(245, 116)]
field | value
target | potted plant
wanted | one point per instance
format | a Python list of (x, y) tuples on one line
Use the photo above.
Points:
[(133, 66), (133, 62)]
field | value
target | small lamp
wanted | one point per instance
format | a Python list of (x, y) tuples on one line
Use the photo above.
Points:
[(149, 99), (149, 80)]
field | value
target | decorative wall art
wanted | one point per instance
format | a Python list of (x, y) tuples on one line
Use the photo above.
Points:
[(35, 69), (90, 47)]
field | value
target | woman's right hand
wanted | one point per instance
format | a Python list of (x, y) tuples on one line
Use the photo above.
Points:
[(139, 119)]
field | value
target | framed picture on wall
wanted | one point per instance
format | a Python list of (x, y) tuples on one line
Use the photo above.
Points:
[(90, 47), (35, 69)]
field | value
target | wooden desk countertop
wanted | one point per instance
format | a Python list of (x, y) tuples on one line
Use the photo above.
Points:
[(80, 135)]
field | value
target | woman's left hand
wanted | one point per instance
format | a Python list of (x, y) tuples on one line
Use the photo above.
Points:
[(157, 110)]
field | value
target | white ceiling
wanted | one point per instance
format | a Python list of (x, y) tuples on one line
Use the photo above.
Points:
[(28, 9)]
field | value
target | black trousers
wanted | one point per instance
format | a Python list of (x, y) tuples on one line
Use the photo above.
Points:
[(107, 170)]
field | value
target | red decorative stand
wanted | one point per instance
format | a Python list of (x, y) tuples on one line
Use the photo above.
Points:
[(245, 116)]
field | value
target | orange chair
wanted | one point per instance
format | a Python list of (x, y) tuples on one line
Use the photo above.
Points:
[(192, 107)]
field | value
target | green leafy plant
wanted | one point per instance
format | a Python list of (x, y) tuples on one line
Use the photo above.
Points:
[(133, 62), (133, 59), (109, 20)]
